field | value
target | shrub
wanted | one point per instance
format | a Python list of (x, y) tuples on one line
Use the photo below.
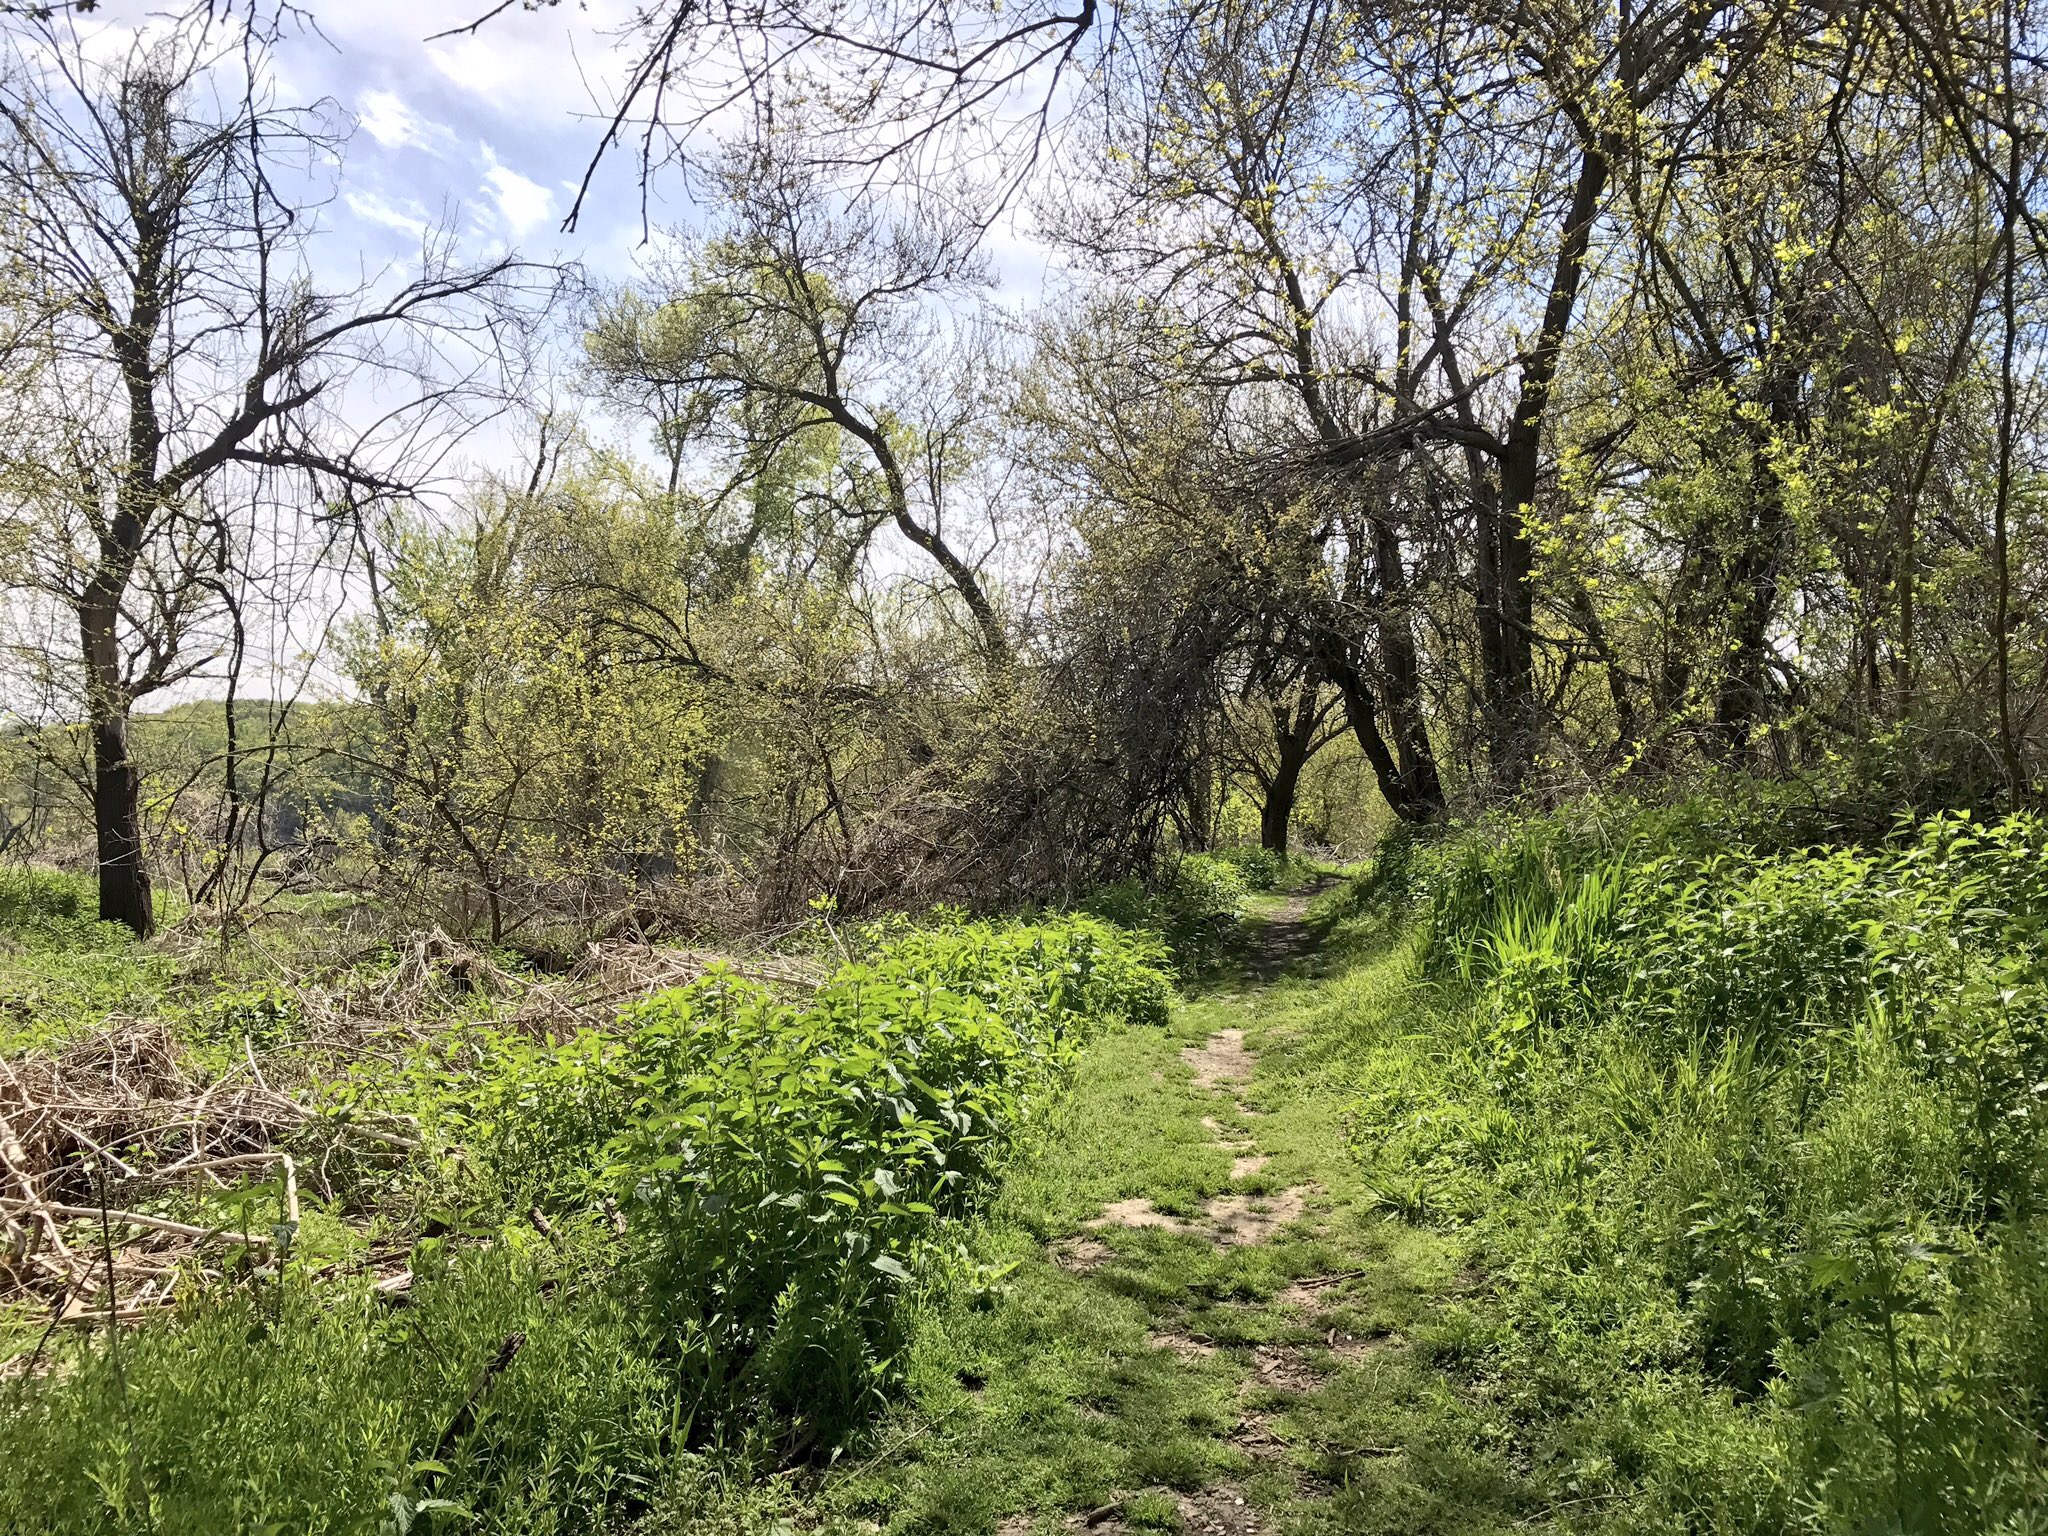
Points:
[(1769, 1122), (1262, 868), (782, 1171), (43, 898), (1194, 909), (780, 1166)]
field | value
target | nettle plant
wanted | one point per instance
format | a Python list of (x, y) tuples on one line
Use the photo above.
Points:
[(1785, 1110), (780, 1169)]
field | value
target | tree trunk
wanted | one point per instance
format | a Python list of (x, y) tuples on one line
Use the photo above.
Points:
[(1507, 554), (1402, 689), (125, 895), (1295, 741), (1276, 815), (1407, 800)]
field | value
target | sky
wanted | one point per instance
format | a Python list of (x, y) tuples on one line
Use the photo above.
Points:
[(493, 131), (488, 132), (487, 135)]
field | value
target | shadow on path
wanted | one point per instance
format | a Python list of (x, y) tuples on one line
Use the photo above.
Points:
[(1285, 936)]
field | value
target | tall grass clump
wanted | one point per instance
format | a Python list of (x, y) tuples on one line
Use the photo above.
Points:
[(1756, 1141), (690, 1233)]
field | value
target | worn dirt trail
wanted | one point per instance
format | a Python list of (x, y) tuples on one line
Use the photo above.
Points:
[(1213, 1321), (1311, 1335)]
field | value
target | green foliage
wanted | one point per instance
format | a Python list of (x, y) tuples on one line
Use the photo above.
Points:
[(1195, 908), (781, 1166), (1760, 1140), (43, 899), (522, 761), (1262, 868), (314, 1408), (63, 971), (784, 1172)]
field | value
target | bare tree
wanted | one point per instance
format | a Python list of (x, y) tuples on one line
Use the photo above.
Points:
[(166, 348)]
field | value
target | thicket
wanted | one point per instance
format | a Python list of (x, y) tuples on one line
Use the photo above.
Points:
[(1193, 907), (1753, 1138), (693, 1232)]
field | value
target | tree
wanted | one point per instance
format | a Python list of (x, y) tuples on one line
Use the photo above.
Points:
[(530, 766), (167, 352), (800, 320)]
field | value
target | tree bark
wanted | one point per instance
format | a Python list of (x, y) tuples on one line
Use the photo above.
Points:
[(1295, 740), (1417, 803), (124, 884), (1278, 812), (1506, 553)]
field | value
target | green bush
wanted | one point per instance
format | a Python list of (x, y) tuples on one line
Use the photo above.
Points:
[(1262, 868), (783, 1173), (1765, 1130), (780, 1166), (1194, 908), (311, 1407), (44, 898)]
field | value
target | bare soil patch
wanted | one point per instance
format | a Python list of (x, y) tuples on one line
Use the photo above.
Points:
[(1185, 1345), (1312, 1293), (1239, 1219), (1256, 1437), (1355, 1349), (1221, 1059), (1220, 1511), (1081, 1255), (1134, 1214), (1284, 1368)]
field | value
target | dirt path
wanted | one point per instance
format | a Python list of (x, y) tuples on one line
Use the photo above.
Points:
[(1284, 936), (1209, 1323)]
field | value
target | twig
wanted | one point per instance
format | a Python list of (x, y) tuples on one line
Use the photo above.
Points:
[(249, 1054), (465, 1416), (15, 1157), (72, 1130), (153, 1223)]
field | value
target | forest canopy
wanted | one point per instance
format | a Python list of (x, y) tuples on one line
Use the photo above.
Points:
[(1480, 404)]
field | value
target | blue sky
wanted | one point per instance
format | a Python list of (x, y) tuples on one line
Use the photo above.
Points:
[(489, 133)]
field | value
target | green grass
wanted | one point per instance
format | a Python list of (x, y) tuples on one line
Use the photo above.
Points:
[(62, 972), (1753, 1141), (1052, 1395), (780, 1171), (1662, 1182)]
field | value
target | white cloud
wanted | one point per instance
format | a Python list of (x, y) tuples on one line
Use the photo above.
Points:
[(523, 204), (387, 119), (372, 209)]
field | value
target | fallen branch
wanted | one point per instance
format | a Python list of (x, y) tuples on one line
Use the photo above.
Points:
[(152, 1223)]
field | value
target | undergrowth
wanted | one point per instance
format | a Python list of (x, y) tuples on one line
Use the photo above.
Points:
[(1193, 908), (645, 1253), (1753, 1140)]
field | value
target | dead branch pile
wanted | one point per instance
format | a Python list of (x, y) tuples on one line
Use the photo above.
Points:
[(433, 968), (101, 1134), (610, 976), (96, 1130)]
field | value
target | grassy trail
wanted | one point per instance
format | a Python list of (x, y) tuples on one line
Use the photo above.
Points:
[(1196, 1316)]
